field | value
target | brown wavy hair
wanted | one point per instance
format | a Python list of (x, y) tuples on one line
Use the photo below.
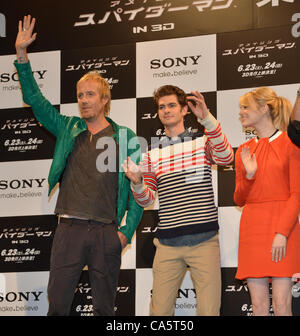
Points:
[(168, 90)]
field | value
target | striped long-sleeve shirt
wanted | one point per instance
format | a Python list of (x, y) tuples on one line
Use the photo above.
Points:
[(180, 171)]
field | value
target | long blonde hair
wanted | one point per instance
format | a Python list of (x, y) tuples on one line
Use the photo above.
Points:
[(280, 108)]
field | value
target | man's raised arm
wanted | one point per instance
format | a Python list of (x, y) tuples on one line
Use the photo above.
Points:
[(24, 38)]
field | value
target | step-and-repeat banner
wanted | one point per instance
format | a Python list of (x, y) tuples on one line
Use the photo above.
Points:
[(222, 48)]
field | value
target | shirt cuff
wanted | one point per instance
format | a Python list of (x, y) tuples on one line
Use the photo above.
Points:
[(209, 122), (137, 188)]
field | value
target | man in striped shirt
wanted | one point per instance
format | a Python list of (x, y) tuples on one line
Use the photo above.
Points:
[(178, 167)]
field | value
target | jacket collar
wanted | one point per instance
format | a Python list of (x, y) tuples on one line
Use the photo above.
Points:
[(115, 126)]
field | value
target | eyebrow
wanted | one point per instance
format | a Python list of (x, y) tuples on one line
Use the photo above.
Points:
[(171, 103), (89, 91)]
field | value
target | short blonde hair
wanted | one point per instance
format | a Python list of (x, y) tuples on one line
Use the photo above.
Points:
[(103, 87), (280, 108)]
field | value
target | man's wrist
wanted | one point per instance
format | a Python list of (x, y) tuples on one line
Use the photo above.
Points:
[(138, 181), (138, 188), (22, 59), (200, 119), (22, 56)]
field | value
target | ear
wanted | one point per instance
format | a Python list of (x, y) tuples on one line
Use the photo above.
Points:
[(104, 100), (265, 108), (184, 110)]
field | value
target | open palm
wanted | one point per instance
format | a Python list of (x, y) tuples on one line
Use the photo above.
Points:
[(25, 36), (249, 162), (132, 171)]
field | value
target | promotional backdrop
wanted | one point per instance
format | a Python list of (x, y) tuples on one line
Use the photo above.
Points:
[(222, 48)]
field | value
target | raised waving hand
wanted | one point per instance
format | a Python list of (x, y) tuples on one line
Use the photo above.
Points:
[(24, 38)]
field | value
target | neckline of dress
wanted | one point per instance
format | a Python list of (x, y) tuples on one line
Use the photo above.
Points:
[(272, 137)]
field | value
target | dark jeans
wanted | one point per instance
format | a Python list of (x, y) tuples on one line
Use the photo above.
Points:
[(78, 243)]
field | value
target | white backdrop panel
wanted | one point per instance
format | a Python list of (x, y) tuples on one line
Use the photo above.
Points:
[(189, 63)]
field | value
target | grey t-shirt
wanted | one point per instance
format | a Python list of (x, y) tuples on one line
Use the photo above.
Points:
[(84, 190)]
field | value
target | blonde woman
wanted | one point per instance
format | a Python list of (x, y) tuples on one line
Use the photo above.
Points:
[(268, 186)]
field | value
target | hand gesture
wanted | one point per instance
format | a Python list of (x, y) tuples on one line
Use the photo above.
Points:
[(249, 162), (278, 250), (197, 105), (25, 36), (132, 171), (123, 239)]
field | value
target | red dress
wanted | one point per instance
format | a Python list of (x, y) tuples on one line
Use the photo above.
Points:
[(271, 203)]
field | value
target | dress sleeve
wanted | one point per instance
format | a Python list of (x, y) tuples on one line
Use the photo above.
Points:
[(289, 215), (242, 184)]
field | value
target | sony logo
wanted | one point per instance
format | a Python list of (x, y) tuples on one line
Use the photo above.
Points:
[(250, 132), (186, 293), (2, 25), (17, 184), (6, 77), (170, 62), (20, 296)]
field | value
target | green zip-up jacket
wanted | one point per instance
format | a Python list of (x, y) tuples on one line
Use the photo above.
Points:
[(66, 129)]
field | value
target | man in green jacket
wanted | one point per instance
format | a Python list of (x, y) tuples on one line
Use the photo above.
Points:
[(94, 193)]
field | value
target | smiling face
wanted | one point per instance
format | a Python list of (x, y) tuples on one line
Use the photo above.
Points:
[(170, 112), (251, 114), (90, 103)]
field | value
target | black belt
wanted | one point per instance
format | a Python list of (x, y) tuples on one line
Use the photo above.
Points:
[(71, 220)]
